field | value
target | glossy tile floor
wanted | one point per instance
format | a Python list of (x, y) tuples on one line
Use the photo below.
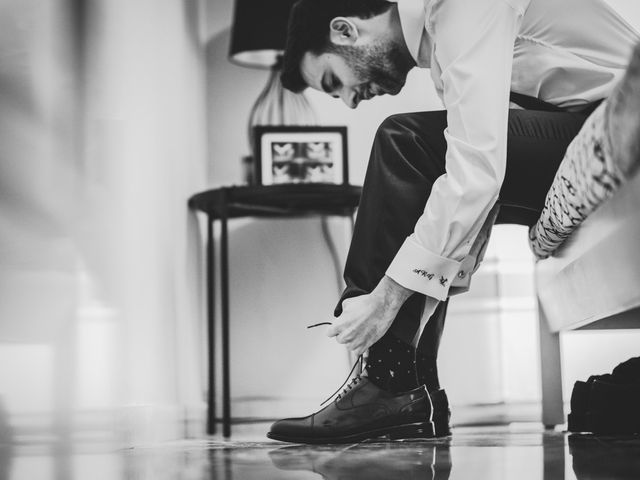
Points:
[(522, 452)]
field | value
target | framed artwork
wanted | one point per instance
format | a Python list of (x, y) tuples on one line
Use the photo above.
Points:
[(296, 154)]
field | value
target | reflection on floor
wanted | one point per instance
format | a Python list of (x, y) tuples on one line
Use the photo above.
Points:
[(521, 451)]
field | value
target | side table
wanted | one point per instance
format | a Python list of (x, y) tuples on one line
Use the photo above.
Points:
[(268, 201)]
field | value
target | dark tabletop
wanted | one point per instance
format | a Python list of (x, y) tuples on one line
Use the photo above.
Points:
[(278, 200)]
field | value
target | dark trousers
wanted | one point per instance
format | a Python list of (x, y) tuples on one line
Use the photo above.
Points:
[(408, 155)]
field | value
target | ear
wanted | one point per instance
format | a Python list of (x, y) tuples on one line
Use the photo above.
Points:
[(343, 31)]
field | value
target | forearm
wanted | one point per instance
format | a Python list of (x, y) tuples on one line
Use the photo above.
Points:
[(392, 293), (475, 37)]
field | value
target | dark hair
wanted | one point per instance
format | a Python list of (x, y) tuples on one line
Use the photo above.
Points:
[(309, 31)]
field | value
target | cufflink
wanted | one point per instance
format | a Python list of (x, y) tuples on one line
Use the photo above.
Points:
[(461, 274)]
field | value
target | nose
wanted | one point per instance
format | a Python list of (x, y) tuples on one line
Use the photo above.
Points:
[(349, 97)]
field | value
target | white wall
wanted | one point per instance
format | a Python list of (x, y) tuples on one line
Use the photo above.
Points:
[(145, 151), (99, 260), (273, 297)]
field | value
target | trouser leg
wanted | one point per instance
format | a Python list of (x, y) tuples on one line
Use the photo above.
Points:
[(408, 155)]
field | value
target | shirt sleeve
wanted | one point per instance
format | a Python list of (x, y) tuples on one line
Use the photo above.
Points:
[(474, 50)]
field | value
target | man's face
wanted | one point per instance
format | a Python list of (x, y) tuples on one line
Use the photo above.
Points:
[(356, 73)]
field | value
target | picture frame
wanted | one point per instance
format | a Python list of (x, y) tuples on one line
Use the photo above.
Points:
[(301, 154)]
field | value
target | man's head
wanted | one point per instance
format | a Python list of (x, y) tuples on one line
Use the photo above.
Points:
[(351, 49)]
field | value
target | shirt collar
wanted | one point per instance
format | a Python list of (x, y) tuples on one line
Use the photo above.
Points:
[(412, 22)]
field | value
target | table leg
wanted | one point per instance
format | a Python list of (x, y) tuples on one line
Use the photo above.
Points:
[(352, 221), (224, 267), (550, 373), (211, 335)]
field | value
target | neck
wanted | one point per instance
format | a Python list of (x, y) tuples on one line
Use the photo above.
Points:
[(386, 27)]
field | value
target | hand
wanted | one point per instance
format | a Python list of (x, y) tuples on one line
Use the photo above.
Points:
[(365, 319)]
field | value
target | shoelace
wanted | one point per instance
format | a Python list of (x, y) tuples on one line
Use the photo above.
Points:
[(350, 384)]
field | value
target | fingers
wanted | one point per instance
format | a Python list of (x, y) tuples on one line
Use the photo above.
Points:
[(348, 338), (347, 301), (355, 343), (338, 327), (358, 348), (354, 327), (344, 336), (358, 351), (333, 330)]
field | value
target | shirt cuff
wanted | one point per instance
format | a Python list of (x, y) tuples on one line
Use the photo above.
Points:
[(422, 271)]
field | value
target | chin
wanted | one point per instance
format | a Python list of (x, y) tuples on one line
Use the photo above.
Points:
[(397, 88), (398, 85)]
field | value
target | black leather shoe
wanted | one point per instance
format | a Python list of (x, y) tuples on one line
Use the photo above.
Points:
[(614, 408), (362, 411), (580, 400), (441, 413), (628, 371), (605, 404), (370, 461), (577, 418)]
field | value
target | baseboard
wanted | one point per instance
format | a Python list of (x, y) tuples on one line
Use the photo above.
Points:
[(270, 408), (125, 426), (139, 425)]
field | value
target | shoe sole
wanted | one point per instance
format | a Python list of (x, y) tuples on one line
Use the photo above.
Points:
[(398, 432), (609, 424), (577, 422), (441, 426)]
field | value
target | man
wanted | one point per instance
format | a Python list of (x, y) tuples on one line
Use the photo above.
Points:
[(437, 181)]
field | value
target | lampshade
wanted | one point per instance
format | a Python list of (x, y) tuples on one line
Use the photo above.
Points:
[(258, 39), (259, 32)]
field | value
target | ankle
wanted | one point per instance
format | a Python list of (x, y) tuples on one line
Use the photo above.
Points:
[(427, 371), (390, 365)]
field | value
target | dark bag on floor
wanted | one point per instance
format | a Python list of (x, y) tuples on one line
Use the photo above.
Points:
[(609, 403)]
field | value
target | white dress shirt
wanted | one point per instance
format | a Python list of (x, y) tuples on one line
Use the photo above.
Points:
[(566, 52)]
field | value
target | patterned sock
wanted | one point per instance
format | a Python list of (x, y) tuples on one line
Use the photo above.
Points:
[(427, 371), (586, 177), (390, 365)]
